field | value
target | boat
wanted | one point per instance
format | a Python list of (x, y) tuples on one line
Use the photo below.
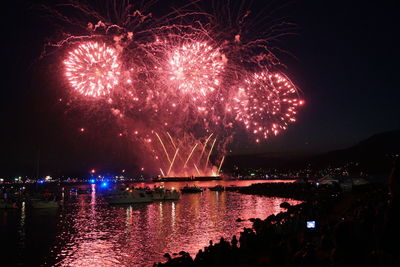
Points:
[(191, 189), (130, 196), (165, 194), (217, 188)]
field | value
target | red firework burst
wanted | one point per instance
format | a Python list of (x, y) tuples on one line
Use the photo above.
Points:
[(266, 103), (92, 69), (195, 69)]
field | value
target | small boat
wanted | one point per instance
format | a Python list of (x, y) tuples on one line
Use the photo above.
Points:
[(165, 194), (217, 188), (129, 197), (191, 189)]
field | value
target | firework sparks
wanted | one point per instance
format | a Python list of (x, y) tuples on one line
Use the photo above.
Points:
[(185, 154), (220, 164), (92, 69), (182, 81), (173, 161), (191, 153), (195, 69), (209, 153), (266, 103)]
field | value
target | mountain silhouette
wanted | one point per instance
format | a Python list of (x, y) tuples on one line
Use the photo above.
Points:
[(373, 155)]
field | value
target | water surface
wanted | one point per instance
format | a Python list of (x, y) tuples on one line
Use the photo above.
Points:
[(87, 231)]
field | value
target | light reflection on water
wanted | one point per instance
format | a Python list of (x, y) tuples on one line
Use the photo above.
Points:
[(87, 231), (97, 234)]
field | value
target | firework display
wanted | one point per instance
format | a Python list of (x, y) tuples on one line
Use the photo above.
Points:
[(195, 69), (266, 103), (92, 69), (182, 88)]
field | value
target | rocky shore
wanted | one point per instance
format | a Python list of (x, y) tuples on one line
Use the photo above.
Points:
[(330, 228)]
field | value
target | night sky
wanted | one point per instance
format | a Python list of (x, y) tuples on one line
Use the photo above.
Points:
[(344, 58)]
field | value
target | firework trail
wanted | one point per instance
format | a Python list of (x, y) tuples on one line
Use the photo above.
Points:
[(174, 81)]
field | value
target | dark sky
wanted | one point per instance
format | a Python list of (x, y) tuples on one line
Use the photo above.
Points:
[(345, 62)]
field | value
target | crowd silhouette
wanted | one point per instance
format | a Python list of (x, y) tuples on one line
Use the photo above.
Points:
[(358, 228)]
